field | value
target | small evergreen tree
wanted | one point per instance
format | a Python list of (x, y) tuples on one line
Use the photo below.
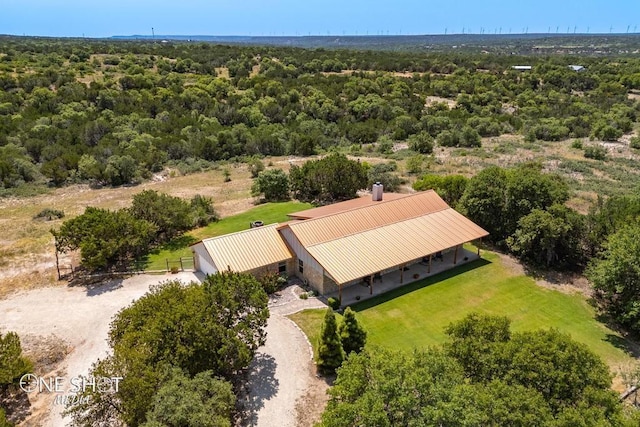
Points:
[(13, 364), (352, 335), (330, 353)]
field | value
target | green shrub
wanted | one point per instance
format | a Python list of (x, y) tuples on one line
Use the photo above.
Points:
[(333, 303), (635, 142), (272, 282), (595, 152), (49, 214), (576, 144), (255, 167), (384, 145), (202, 211), (414, 164)]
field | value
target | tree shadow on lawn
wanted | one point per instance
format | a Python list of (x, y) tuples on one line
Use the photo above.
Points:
[(624, 339), (629, 346), (411, 287), (177, 243)]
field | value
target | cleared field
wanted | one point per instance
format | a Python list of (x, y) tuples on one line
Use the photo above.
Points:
[(26, 246), (416, 315)]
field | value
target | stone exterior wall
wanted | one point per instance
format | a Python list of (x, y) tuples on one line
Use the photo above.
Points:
[(314, 277), (329, 285)]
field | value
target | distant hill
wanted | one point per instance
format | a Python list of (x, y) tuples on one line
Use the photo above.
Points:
[(509, 43)]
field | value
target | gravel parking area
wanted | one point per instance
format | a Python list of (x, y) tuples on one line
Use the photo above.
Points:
[(79, 317)]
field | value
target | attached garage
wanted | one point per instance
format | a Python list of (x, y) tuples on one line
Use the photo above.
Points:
[(257, 250)]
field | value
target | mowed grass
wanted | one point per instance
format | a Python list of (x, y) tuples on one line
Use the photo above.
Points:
[(416, 316), (179, 247)]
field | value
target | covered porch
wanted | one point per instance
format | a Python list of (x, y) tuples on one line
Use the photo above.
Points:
[(377, 284)]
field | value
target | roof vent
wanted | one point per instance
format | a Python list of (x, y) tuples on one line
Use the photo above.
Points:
[(376, 192)]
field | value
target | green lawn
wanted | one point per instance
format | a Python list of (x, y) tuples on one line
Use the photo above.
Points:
[(416, 315), (179, 247)]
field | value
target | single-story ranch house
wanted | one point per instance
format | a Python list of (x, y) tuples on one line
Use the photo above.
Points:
[(357, 241)]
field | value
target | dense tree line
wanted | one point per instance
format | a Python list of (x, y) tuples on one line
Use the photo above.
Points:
[(485, 375), (523, 209), (180, 349), (116, 112), (113, 239)]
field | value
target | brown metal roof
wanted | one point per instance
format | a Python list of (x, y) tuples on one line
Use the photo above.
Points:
[(249, 249), (371, 216), (344, 206), (358, 255)]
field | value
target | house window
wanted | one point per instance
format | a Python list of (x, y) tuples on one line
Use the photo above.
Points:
[(282, 267), (300, 266)]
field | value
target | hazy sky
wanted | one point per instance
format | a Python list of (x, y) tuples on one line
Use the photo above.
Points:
[(302, 17)]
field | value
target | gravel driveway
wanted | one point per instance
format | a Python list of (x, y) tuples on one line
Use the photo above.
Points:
[(78, 316), (282, 380)]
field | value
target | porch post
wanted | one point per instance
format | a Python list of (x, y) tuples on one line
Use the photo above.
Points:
[(455, 255), (401, 274), (371, 285), (429, 270), (479, 243), (340, 292)]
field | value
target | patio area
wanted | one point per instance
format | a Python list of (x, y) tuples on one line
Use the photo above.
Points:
[(397, 279)]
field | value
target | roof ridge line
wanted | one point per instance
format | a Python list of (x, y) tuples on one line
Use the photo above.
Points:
[(380, 202), (385, 225)]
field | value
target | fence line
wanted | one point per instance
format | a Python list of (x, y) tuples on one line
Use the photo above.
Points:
[(182, 264)]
